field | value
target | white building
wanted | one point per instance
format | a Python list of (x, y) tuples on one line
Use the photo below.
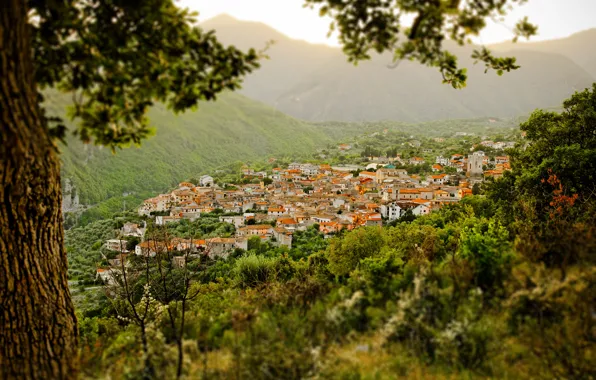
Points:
[(442, 160), (163, 220), (475, 161), (206, 181), (309, 170), (133, 229), (160, 203), (391, 211), (108, 275), (237, 221), (421, 209), (118, 245)]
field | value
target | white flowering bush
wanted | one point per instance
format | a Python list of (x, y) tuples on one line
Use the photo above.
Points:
[(429, 324), (348, 314)]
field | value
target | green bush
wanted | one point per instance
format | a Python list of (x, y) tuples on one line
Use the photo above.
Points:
[(251, 270)]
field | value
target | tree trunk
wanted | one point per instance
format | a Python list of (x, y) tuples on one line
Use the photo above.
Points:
[(38, 329)]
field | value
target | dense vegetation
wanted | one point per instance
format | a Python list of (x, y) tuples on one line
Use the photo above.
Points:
[(499, 285)]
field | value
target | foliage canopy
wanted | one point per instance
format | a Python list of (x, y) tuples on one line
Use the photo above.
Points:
[(117, 58), (377, 25)]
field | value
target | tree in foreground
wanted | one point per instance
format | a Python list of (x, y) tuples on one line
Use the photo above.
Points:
[(116, 58)]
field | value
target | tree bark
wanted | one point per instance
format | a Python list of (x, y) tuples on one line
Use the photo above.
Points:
[(38, 328)]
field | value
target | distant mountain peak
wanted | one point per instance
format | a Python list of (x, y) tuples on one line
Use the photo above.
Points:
[(222, 18)]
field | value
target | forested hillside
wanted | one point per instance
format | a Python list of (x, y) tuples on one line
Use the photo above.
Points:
[(186, 145), (315, 82), (500, 285)]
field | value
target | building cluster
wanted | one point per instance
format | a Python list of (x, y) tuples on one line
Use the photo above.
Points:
[(304, 194), (475, 165), (277, 203), (299, 196)]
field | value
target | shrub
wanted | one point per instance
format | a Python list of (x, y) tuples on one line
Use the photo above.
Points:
[(251, 270), (345, 254)]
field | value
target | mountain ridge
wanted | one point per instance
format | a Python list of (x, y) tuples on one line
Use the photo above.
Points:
[(316, 83)]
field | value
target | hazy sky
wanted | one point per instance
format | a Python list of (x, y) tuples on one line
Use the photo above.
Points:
[(555, 18)]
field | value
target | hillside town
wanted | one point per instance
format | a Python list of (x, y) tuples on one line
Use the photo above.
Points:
[(334, 198)]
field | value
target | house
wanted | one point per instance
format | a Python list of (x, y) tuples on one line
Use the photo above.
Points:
[(282, 237), (242, 243), (118, 245), (442, 160), (246, 171), (426, 193), (108, 276), (309, 170), (496, 174), (417, 161), (255, 230), (438, 179), (179, 196), (322, 218), (189, 211), (132, 229), (330, 227), (261, 205), (152, 248), (391, 211), (118, 260), (437, 168), (186, 185), (236, 220), (325, 169), (422, 207), (179, 261), (374, 219), (276, 211), (388, 173), (220, 247), (206, 181), (501, 159), (464, 192), (369, 175), (441, 194), (407, 194), (192, 245), (163, 220), (287, 223), (344, 147), (157, 204)]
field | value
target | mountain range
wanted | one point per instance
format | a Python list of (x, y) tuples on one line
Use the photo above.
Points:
[(315, 82)]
